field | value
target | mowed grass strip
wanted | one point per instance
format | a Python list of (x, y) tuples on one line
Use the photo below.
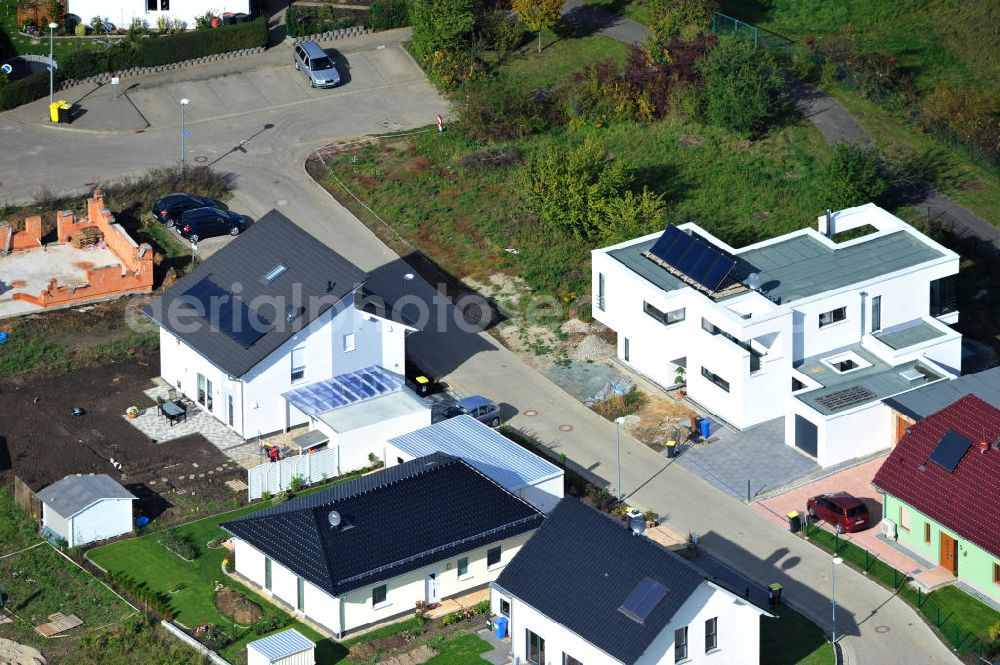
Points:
[(791, 639)]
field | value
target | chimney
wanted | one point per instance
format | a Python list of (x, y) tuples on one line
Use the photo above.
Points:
[(984, 446), (829, 223), (636, 522)]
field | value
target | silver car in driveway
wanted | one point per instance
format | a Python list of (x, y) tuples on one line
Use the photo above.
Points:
[(480, 408), (316, 64)]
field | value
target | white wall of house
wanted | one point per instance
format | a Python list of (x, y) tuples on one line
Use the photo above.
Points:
[(354, 609), (738, 632), (355, 445), (121, 12), (104, 519), (257, 405)]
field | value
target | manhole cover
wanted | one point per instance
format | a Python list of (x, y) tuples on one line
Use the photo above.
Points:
[(565, 428), (531, 412), (881, 629), (281, 202), (201, 159)]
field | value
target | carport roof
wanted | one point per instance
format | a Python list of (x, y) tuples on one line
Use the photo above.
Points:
[(74, 493), (962, 500), (924, 401), (273, 266)]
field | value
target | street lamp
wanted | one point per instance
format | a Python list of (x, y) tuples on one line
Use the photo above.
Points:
[(52, 61), (618, 446), (184, 102), (833, 581)]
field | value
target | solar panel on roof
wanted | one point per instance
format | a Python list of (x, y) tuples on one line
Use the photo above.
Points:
[(950, 450), (643, 599), (693, 257), (667, 243), (846, 397), (225, 312), (715, 276)]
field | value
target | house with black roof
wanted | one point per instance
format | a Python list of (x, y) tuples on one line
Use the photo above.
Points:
[(369, 550), (588, 589), (272, 311)]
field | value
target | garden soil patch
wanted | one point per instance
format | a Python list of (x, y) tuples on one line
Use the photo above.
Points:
[(46, 442), (238, 607)]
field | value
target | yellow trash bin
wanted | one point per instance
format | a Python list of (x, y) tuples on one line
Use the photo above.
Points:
[(54, 111), (59, 111)]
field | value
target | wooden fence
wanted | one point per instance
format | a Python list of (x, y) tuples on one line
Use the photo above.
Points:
[(26, 499)]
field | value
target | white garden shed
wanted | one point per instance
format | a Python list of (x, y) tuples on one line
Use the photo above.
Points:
[(289, 647), (85, 508)]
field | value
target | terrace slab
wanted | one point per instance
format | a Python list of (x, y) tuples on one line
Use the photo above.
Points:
[(30, 272)]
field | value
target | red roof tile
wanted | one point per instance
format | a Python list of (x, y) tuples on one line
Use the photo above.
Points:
[(963, 501)]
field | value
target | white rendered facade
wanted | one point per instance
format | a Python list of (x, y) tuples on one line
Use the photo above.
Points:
[(737, 634), (102, 519), (343, 339), (742, 367), (121, 12)]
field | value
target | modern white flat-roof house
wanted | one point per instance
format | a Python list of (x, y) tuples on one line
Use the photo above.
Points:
[(121, 12), (803, 326), (520, 471), (83, 509), (368, 550), (271, 312), (586, 589)]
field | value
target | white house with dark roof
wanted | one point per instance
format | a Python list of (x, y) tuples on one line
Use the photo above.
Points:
[(587, 589), (270, 312), (368, 550), (83, 509), (536, 480), (804, 326)]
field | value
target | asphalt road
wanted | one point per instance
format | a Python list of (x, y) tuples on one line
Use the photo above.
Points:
[(267, 167)]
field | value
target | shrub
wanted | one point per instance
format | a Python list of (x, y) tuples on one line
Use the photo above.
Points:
[(970, 113), (596, 95), (23, 91), (829, 73), (440, 25), (855, 175), (617, 406), (388, 14), (496, 109), (177, 544), (483, 607), (270, 623), (80, 30), (501, 31), (303, 20), (803, 64), (298, 482), (600, 498), (744, 90), (447, 69)]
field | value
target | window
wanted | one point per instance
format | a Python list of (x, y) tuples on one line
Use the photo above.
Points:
[(797, 385), (570, 660), (680, 644), (711, 634), (267, 573), (272, 274), (943, 299), (625, 349), (837, 315), (996, 573), (876, 313), (904, 519), (755, 356), (536, 649), (349, 342), (666, 318), (600, 291), (493, 557), (230, 410), (150, 5), (300, 594), (927, 532), (164, 5), (298, 364), (379, 595), (716, 379), (399, 460), (463, 567), (505, 607)]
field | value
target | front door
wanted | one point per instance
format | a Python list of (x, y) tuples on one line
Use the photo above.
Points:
[(902, 424), (949, 553), (433, 589)]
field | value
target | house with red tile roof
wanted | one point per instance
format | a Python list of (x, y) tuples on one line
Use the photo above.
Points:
[(939, 489)]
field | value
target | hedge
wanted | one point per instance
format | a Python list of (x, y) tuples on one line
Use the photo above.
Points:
[(302, 21), (389, 14), (23, 91)]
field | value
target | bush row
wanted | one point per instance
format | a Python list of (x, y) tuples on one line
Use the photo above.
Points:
[(389, 14), (23, 91), (302, 21)]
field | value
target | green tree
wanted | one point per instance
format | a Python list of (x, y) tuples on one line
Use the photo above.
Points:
[(744, 90), (855, 176), (631, 215), (681, 19), (441, 25), (539, 14)]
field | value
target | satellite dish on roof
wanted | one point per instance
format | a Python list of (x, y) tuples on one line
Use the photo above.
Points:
[(753, 281), (334, 518)]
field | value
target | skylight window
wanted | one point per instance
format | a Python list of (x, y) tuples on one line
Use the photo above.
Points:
[(273, 274), (643, 599)]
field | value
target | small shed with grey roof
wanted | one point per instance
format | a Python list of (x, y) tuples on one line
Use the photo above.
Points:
[(515, 468), (920, 403), (82, 509), (289, 647)]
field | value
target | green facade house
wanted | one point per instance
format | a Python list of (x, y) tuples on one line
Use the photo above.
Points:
[(939, 488)]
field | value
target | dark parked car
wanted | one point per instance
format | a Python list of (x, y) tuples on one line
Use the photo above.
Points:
[(478, 407), (169, 209), (206, 222), (840, 510)]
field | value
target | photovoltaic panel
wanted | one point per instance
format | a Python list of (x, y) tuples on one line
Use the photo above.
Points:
[(225, 312), (846, 397), (715, 276), (693, 257), (672, 241), (643, 599), (950, 450)]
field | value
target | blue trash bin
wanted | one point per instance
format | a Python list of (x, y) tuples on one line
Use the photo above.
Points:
[(706, 428), (500, 627)]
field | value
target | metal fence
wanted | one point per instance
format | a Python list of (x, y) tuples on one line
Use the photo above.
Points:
[(729, 26), (274, 477)]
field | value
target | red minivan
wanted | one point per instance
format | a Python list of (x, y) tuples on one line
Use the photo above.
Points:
[(841, 510)]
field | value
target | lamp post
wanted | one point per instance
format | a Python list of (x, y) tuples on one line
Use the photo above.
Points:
[(618, 447), (52, 61), (833, 582), (184, 102)]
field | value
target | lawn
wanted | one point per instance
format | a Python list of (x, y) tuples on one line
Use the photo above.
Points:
[(20, 44), (461, 650), (791, 639), (17, 530), (562, 55), (633, 10)]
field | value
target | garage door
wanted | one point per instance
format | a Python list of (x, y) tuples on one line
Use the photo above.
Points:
[(805, 435)]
